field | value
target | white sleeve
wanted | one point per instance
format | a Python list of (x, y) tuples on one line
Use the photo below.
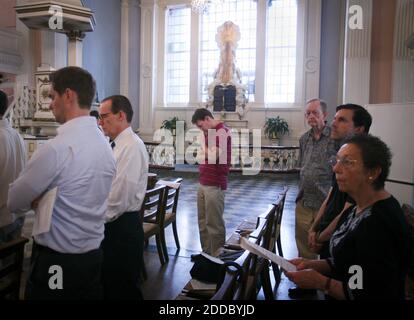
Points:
[(126, 184), (34, 180)]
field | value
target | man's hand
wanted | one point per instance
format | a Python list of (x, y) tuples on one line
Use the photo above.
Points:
[(35, 203)]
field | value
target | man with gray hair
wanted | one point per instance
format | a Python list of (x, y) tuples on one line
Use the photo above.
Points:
[(316, 148)]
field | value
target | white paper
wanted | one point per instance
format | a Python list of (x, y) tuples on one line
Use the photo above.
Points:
[(174, 185), (259, 251), (43, 212), (211, 258)]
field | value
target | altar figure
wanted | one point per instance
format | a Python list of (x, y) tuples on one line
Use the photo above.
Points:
[(227, 93)]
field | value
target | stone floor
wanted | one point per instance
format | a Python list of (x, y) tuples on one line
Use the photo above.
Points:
[(247, 196)]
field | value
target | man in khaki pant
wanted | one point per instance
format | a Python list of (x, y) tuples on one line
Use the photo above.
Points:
[(214, 165), (316, 148), (210, 205)]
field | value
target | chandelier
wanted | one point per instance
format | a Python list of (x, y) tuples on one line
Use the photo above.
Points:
[(202, 6)]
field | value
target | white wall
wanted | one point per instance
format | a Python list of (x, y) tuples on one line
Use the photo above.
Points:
[(393, 124)]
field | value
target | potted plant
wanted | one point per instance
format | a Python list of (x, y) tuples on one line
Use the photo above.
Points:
[(275, 128), (171, 124)]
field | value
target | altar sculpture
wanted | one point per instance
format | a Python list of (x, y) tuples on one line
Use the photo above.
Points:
[(227, 93)]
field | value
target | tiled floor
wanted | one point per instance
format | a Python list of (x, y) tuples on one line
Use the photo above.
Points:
[(247, 196)]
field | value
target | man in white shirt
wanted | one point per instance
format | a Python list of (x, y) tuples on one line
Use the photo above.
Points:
[(12, 161), (66, 260), (124, 236)]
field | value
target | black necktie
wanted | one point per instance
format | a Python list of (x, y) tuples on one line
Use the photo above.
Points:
[(113, 144)]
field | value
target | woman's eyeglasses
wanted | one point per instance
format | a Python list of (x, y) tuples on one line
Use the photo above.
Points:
[(345, 162)]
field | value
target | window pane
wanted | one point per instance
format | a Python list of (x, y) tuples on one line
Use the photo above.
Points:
[(281, 51), (178, 55), (244, 14)]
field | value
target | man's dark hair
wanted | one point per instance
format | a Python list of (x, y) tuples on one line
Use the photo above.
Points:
[(76, 79), (375, 153), (94, 113), (121, 103), (361, 117), (200, 115), (4, 103)]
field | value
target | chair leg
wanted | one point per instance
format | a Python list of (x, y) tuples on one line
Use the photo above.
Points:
[(275, 267), (174, 227), (276, 274), (266, 283), (279, 246), (159, 248), (164, 245)]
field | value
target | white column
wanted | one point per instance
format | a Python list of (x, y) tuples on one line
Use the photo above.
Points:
[(75, 45), (195, 77), (133, 59), (358, 56), (148, 68), (54, 48), (260, 52), (124, 47), (160, 54), (403, 78)]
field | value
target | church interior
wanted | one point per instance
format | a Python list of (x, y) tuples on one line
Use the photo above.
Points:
[(254, 64)]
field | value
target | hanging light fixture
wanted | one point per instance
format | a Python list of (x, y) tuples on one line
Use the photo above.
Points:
[(199, 6), (202, 6)]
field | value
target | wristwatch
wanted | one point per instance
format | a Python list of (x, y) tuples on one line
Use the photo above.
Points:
[(327, 286)]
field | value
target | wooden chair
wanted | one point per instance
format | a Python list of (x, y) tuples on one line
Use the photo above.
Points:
[(245, 283), (244, 277), (276, 238), (152, 210), (170, 203), (10, 274)]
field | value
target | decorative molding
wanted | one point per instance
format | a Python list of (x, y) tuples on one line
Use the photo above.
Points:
[(75, 35), (75, 17), (312, 64)]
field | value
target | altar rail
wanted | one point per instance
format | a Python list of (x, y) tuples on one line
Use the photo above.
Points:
[(273, 159)]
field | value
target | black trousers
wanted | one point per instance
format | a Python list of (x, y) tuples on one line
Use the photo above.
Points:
[(123, 248), (61, 276)]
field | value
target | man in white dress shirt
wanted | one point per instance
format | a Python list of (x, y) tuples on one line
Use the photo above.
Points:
[(124, 236), (12, 161), (66, 260)]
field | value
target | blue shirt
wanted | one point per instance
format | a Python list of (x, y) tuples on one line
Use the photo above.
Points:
[(80, 163)]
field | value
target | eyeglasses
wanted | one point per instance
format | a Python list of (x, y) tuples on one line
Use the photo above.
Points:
[(314, 113), (345, 162), (104, 115)]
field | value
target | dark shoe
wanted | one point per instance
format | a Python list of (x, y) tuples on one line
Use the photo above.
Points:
[(297, 292), (195, 256)]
